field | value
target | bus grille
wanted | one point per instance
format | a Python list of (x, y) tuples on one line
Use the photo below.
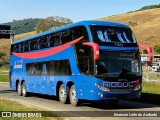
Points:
[(121, 90)]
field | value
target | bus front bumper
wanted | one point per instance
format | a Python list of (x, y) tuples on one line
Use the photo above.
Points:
[(118, 95)]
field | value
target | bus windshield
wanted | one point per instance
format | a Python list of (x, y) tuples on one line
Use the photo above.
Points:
[(112, 34), (118, 63)]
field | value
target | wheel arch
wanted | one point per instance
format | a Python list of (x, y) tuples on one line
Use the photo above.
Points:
[(22, 81), (17, 81), (70, 83)]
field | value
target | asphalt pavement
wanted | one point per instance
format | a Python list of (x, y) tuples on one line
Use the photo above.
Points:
[(87, 110)]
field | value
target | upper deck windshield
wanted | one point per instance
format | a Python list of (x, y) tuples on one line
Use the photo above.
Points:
[(111, 34)]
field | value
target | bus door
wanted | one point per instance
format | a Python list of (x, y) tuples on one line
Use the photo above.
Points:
[(85, 59), (45, 78), (51, 80)]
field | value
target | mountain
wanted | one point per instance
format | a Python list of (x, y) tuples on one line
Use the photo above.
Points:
[(23, 26), (145, 25)]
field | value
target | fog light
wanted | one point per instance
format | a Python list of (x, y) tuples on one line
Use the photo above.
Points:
[(100, 94), (137, 87)]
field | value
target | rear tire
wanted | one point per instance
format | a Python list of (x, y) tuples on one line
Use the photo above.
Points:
[(19, 89), (72, 96), (24, 92), (63, 95)]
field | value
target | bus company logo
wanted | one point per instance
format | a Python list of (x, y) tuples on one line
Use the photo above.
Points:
[(118, 84), (6, 114), (17, 66)]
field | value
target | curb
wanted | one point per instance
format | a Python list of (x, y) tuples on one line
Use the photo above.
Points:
[(4, 82)]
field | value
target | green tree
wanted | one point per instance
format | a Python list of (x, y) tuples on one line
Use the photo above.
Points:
[(157, 49), (51, 23), (150, 7)]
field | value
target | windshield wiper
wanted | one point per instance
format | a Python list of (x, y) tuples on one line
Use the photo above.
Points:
[(108, 75), (103, 75)]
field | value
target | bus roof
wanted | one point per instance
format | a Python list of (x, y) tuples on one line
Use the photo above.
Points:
[(81, 23)]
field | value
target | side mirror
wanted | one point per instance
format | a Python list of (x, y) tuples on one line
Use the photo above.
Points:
[(95, 49), (149, 51)]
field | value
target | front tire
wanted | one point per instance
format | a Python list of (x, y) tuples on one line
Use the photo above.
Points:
[(72, 96), (63, 94)]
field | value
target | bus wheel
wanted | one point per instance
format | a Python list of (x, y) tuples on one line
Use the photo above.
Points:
[(72, 96), (63, 96), (19, 89), (24, 92)]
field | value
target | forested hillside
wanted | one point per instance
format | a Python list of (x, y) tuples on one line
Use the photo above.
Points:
[(23, 26)]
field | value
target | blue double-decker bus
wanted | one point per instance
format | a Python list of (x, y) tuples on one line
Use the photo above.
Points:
[(87, 60)]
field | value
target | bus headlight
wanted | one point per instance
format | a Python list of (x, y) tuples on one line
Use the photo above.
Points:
[(102, 87)]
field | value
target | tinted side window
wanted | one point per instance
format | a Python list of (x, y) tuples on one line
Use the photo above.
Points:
[(37, 69), (66, 36), (52, 40), (60, 68), (26, 46), (17, 48), (52, 68), (79, 32)]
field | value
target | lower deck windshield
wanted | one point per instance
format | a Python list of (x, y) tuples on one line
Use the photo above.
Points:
[(118, 64)]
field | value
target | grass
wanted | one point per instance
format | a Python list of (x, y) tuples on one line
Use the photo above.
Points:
[(4, 65), (151, 77), (7, 105), (151, 87), (150, 93), (20, 36), (4, 68), (4, 78)]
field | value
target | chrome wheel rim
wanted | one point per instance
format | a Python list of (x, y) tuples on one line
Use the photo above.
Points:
[(73, 95), (62, 93), (19, 89), (24, 90)]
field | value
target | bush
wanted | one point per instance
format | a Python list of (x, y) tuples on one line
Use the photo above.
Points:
[(150, 7), (157, 49)]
